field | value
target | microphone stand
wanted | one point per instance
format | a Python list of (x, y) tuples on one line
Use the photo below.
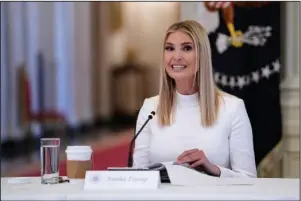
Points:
[(130, 154)]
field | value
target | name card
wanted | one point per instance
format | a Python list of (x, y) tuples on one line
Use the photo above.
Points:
[(97, 180)]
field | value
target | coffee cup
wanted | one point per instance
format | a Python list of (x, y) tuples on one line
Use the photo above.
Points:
[(79, 160)]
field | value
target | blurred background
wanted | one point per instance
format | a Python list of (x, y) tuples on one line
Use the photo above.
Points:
[(81, 70)]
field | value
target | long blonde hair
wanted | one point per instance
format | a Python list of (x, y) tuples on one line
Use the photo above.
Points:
[(208, 93)]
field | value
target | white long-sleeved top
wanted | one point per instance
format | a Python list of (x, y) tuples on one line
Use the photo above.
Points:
[(228, 144)]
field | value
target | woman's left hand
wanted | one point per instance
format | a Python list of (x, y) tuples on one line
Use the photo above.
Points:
[(197, 159)]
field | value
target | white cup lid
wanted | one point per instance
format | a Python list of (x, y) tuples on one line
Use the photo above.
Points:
[(79, 149)]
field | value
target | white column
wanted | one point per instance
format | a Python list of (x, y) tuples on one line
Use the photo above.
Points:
[(46, 45), (73, 56), (83, 76), (290, 90), (64, 54), (105, 109), (16, 57), (61, 56), (32, 48), (4, 67), (291, 37)]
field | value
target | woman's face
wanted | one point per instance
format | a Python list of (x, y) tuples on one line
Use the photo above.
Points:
[(179, 56)]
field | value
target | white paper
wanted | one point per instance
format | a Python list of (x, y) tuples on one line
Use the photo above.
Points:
[(184, 176)]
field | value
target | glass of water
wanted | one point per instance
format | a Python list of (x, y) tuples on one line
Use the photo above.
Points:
[(50, 159)]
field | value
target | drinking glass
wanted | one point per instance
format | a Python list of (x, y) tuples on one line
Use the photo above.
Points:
[(50, 158)]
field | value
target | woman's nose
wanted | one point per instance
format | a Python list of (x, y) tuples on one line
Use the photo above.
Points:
[(178, 55)]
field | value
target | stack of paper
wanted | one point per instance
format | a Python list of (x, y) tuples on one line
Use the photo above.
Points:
[(184, 176)]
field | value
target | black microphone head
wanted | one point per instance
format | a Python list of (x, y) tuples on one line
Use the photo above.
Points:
[(152, 114)]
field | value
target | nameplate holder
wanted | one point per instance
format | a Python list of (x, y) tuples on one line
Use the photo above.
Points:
[(98, 180)]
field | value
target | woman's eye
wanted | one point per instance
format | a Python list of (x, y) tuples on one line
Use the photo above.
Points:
[(168, 48), (187, 48)]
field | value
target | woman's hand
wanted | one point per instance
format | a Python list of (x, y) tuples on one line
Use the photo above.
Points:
[(197, 159)]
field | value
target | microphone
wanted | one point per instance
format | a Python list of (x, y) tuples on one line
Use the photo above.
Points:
[(130, 155)]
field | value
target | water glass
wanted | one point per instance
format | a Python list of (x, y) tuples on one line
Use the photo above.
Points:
[(50, 159)]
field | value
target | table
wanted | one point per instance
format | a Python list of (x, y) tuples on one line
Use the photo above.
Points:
[(262, 189)]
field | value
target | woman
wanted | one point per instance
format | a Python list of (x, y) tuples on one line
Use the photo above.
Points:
[(195, 122)]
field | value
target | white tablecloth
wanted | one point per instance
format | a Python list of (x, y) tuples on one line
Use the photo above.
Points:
[(262, 189)]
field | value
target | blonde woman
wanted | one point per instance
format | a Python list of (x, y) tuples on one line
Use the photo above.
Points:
[(195, 122)]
